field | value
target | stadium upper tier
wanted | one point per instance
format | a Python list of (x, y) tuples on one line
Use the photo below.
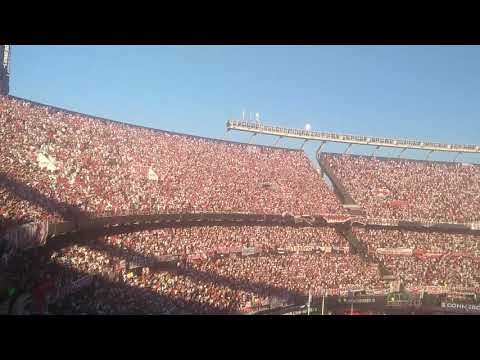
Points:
[(60, 165), (409, 190)]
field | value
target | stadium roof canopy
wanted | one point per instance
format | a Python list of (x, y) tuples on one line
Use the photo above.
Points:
[(257, 128)]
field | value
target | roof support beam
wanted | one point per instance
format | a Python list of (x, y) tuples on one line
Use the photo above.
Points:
[(375, 150), (456, 156), (401, 152), (278, 140), (428, 155), (303, 144), (251, 137), (319, 150), (348, 148)]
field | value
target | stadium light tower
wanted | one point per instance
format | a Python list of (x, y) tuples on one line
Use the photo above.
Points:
[(257, 118), (5, 52)]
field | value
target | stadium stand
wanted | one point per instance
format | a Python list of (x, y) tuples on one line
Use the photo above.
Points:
[(217, 285), (423, 259), (59, 165), (202, 240), (410, 190)]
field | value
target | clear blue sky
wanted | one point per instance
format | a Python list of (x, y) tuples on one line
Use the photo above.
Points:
[(420, 92)]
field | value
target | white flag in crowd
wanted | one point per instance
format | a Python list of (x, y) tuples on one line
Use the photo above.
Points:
[(46, 161), (152, 175)]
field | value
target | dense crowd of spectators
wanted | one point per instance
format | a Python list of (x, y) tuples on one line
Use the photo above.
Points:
[(223, 285), (232, 284), (60, 166), (408, 189), (431, 241), (297, 272), (436, 259), (16, 210), (446, 271), (67, 164), (210, 239)]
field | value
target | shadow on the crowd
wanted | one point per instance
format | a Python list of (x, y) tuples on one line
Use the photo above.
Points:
[(52, 206), (261, 289), (108, 294), (74, 212), (258, 288)]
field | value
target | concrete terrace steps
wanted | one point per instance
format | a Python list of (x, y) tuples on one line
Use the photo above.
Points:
[(361, 249), (344, 197)]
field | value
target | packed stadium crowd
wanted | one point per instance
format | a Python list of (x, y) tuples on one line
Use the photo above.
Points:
[(57, 166), (17, 210), (410, 190), (446, 271), (205, 240), (222, 284), (419, 240), (68, 164), (230, 284), (422, 259)]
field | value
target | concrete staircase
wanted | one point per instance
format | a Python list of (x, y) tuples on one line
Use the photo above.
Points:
[(359, 248), (354, 210), (345, 198)]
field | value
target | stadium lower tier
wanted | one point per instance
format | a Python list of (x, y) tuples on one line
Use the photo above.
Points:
[(204, 241), (443, 271), (422, 243), (426, 258), (220, 285), (116, 274)]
